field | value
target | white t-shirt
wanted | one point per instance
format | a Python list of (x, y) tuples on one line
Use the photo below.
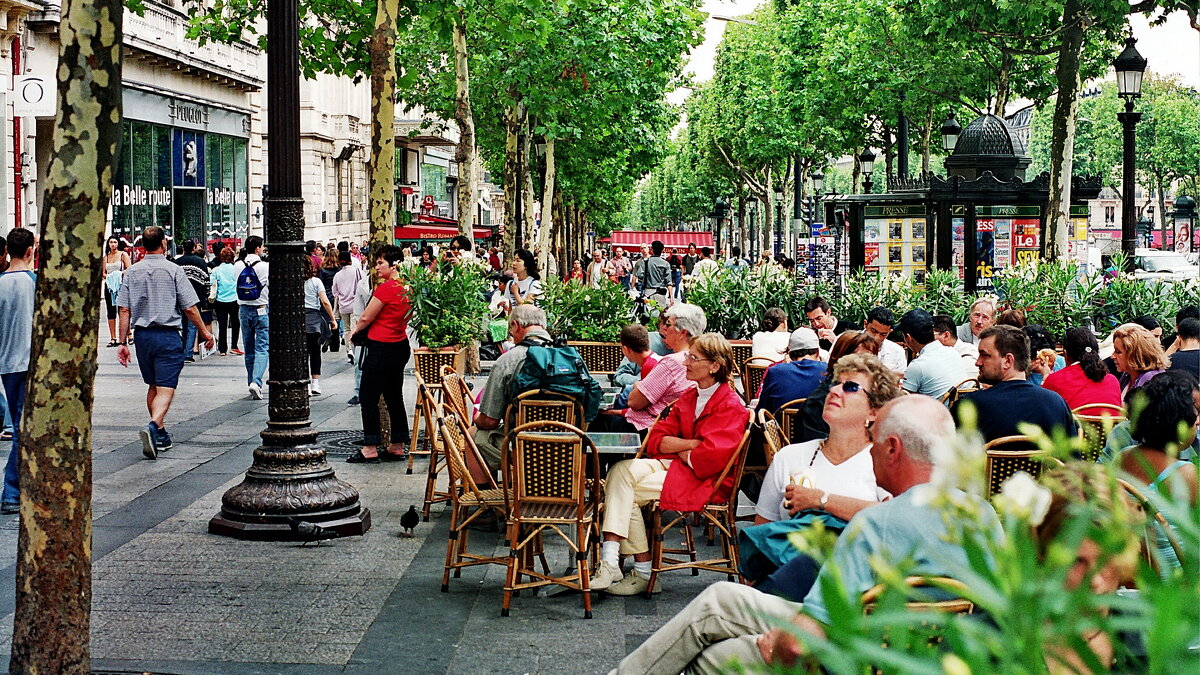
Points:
[(893, 356), (772, 345), (854, 477), (529, 285)]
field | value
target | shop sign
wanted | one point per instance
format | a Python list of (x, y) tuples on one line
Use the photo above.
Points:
[(184, 113), (225, 197), (137, 195), (34, 96)]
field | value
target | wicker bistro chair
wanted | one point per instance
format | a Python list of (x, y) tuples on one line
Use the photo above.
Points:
[(468, 500), (547, 465), (773, 437), (438, 460), (753, 372), (788, 412), (743, 351), (457, 395), (1154, 520), (428, 371), (920, 601), (720, 516), (543, 406), (1095, 428), (965, 387), (1010, 454)]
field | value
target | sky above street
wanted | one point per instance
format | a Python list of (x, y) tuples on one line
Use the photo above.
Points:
[(1172, 48)]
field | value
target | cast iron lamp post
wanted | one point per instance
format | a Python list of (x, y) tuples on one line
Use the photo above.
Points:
[(778, 218), (950, 131), (719, 209), (290, 477), (1130, 65), (818, 181), (867, 161)]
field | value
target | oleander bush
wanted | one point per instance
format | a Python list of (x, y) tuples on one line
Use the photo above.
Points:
[(579, 312)]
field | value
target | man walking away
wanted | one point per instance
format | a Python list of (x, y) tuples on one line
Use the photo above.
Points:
[(253, 279), (154, 295), (17, 286), (197, 273), (345, 282)]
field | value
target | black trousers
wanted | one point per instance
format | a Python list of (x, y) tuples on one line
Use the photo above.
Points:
[(314, 352), (227, 319), (383, 375)]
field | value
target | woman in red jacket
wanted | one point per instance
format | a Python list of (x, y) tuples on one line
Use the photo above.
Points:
[(685, 454)]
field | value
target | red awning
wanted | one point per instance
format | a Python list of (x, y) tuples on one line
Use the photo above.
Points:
[(436, 232), (634, 239)]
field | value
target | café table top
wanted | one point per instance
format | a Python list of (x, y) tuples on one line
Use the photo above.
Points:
[(615, 443)]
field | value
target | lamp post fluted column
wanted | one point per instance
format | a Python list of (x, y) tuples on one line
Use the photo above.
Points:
[(290, 476), (1129, 120)]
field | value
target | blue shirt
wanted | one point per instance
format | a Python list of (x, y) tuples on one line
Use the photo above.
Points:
[(225, 278), (789, 381), (16, 320), (1001, 408), (895, 530), (934, 371)]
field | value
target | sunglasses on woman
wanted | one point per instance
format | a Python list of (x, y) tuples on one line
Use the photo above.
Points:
[(850, 386)]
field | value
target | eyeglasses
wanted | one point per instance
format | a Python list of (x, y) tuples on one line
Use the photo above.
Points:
[(851, 387), (692, 358)]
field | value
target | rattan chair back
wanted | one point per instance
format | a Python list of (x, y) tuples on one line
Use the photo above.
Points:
[(1154, 521), (458, 444), (456, 394), (1094, 431), (773, 437), (754, 371), (788, 417), (743, 351), (538, 405), (1010, 454)]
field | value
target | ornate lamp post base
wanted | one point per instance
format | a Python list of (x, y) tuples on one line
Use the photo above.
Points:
[(289, 482)]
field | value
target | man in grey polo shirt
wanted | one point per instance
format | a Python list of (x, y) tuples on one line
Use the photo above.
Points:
[(936, 368), (526, 322), (154, 295)]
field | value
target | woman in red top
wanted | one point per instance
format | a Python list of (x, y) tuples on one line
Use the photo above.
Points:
[(576, 274), (386, 323), (685, 454), (1085, 381)]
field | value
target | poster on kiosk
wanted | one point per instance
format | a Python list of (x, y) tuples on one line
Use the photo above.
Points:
[(1004, 236)]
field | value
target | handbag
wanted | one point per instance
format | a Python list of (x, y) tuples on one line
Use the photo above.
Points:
[(359, 338)]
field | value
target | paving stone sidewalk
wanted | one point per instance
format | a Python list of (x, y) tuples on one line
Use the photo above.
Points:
[(170, 598)]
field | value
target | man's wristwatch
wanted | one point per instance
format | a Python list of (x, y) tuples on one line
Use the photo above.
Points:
[(824, 498)]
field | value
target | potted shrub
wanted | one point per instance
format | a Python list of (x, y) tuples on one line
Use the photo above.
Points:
[(449, 312), (590, 319)]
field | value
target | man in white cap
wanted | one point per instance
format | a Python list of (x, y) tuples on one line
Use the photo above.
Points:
[(796, 378)]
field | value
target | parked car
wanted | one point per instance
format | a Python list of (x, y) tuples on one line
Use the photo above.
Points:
[(1163, 266)]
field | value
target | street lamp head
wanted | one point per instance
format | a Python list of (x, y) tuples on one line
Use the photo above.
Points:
[(540, 146), (778, 192), (950, 131), (818, 180), (867, 161), (1130, 65)]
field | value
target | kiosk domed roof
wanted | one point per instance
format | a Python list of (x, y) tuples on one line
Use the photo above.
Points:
[(989, 135)]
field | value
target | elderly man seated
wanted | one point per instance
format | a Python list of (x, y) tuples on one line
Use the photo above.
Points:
[(729, 621), (526, 322), (679, 324)]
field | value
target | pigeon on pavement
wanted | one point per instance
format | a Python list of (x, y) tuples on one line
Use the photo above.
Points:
[(309, 532), (409, 521)]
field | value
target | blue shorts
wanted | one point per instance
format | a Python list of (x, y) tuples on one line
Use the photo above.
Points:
[(159, 355)]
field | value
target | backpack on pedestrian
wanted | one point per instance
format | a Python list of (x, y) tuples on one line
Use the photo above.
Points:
[(560, 369), (249, 286)]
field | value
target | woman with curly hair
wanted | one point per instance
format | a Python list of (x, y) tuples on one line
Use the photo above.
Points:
[(1138, 356)]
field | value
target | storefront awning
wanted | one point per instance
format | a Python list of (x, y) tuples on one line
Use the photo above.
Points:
[(430, 232), (634, 239)]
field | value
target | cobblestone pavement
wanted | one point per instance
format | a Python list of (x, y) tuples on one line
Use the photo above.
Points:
[(170, 598)]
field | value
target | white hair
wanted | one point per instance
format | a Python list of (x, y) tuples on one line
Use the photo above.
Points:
[(920, 422), (688, 318)]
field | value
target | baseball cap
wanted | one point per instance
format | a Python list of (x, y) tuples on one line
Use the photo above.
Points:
[(915, 321), (803, 338)]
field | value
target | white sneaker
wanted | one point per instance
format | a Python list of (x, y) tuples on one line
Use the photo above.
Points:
[(314, 388), (606, 575), (634, 584), (255, 391)]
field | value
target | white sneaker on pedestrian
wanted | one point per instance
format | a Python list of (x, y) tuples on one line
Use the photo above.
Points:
[(255, 391), (634, 584), (314, 388), (606, 575)]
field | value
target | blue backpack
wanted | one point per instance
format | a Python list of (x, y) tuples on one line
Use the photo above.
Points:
[(559, 369), (249, 286)]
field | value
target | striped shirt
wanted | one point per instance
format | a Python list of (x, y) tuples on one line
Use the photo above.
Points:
[(156, 292), (662, 387)]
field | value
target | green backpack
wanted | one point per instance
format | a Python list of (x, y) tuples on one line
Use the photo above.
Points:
[(557, 368)]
